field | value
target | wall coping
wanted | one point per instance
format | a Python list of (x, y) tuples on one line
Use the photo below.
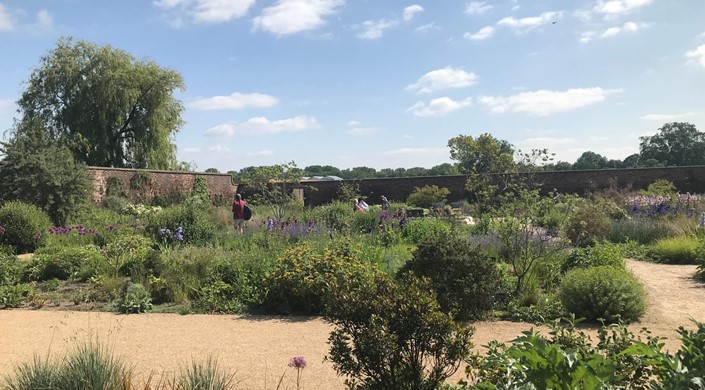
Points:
[(232, 181)]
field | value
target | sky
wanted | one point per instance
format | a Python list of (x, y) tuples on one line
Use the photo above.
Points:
[(387, 83)]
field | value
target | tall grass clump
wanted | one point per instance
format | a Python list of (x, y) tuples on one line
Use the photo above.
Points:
[(643, 231), (204, 376), (674, 250)]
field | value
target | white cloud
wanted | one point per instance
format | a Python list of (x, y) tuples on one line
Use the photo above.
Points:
[(698, 55), (362, 131), (262, 125), (438, 107), (6, 22), (234, 101), (667, 117), (443, 78), (259, 153), (529, 23), (614, 8), (484, 33), (411, 11), (218, 149), (416, 152), (288, 17), (544, 102), (44, 19), (587, 36), (547, 142), (627, 27), (374, 29), (426, 27), (205, 11), (354, 123), (477, 7)]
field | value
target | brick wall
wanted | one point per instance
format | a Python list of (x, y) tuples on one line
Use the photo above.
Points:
[(686, 179), (162, 183)]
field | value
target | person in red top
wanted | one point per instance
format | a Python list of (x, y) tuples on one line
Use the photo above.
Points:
[(239, 214)]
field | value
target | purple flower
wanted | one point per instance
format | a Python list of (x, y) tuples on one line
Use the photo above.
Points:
[(270, 224), (2, 230), (179, 233), (298, 362)]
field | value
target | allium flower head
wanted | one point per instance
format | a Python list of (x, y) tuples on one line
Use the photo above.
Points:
[(298, 362)]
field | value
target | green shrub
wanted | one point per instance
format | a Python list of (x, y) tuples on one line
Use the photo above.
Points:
[(10, 270), (25, 226), (465, 280), (204, 376), (114, 203), (80, 263), (640, 230), (424, 229), (301, 277), (135, 300), (426, 196), (196, 223), (674, 250), (126, 254), (603, 292), (601, 254), (336, 216), (587, 226), (12, 296)]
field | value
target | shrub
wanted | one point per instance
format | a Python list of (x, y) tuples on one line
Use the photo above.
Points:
[(640, 230), (10, 270), (135, 300), (601, 254), (12, 296), (465, 280), (25, 226), (426, 196), (63, 263), (424, 229), (301, 277), (391, 336), (198, 227), (674, 250), (125, 255), (336, 216), (115, 203), (603, 292), (587, 226)]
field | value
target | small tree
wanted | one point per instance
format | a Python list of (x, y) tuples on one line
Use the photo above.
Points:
[(391, 336), (426, 196), (273, 184)]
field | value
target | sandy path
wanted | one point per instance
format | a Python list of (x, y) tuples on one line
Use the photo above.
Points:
[(257, 348)]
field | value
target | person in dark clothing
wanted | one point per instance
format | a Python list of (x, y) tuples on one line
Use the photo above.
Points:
[(239, 214)]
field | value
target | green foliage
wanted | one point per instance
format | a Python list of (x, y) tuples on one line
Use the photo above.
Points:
[(133, 114), (661, 187), (135, 300), (80, 263), (465, 281), (273, 186), (114, 186), (426, 196), (601, 254), (196, 222), (12, 296), (547, 307), (25, 226), (418, 230), (218, 297), (675, 144), (336, 216), (391, 336), (640, 230), (10, 269), (127, 253), (484, 154), (301, 278), (204, 376), (39, 171), (680, 249), (587, 226), (606, 293), (200, 191), (590, 160)]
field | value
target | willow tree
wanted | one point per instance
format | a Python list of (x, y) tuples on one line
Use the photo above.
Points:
[(110, 108)]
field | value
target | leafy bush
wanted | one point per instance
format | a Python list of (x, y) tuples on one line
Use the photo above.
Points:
[(674, 250), (12, 296), (423, 229), (464, 280), (336, 216), (391, 336), (301, 277), (63, 263), (10, 270), (640, 230), (603, 292), (426, 196), (25, 226), (587, 226), (126, 254), (198, 227), (601, 254), (115, 203), (135, 300), (547, 307)]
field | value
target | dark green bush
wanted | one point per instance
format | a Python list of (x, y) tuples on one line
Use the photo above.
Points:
[(588, 226), (196, 222), (466, 281), (674, 250), (426, 196), (603, 292), (63, 263), (423, 229), (601, 254), (25, 226)]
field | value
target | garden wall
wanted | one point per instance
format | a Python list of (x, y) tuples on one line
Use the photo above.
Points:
[(161, 183), (686, 179)]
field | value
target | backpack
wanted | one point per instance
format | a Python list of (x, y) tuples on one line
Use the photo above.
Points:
[(247, 213)]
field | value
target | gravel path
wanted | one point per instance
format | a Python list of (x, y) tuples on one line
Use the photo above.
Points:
[(257, 348)]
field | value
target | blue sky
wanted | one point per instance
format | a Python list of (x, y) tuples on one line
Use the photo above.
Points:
[(386, 84)]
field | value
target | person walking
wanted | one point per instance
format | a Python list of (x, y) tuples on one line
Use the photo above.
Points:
[(385, 203), (239, 214)]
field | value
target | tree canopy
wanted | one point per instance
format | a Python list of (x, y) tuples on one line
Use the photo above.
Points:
[(675, 144), (107, 107), (484, 154)]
